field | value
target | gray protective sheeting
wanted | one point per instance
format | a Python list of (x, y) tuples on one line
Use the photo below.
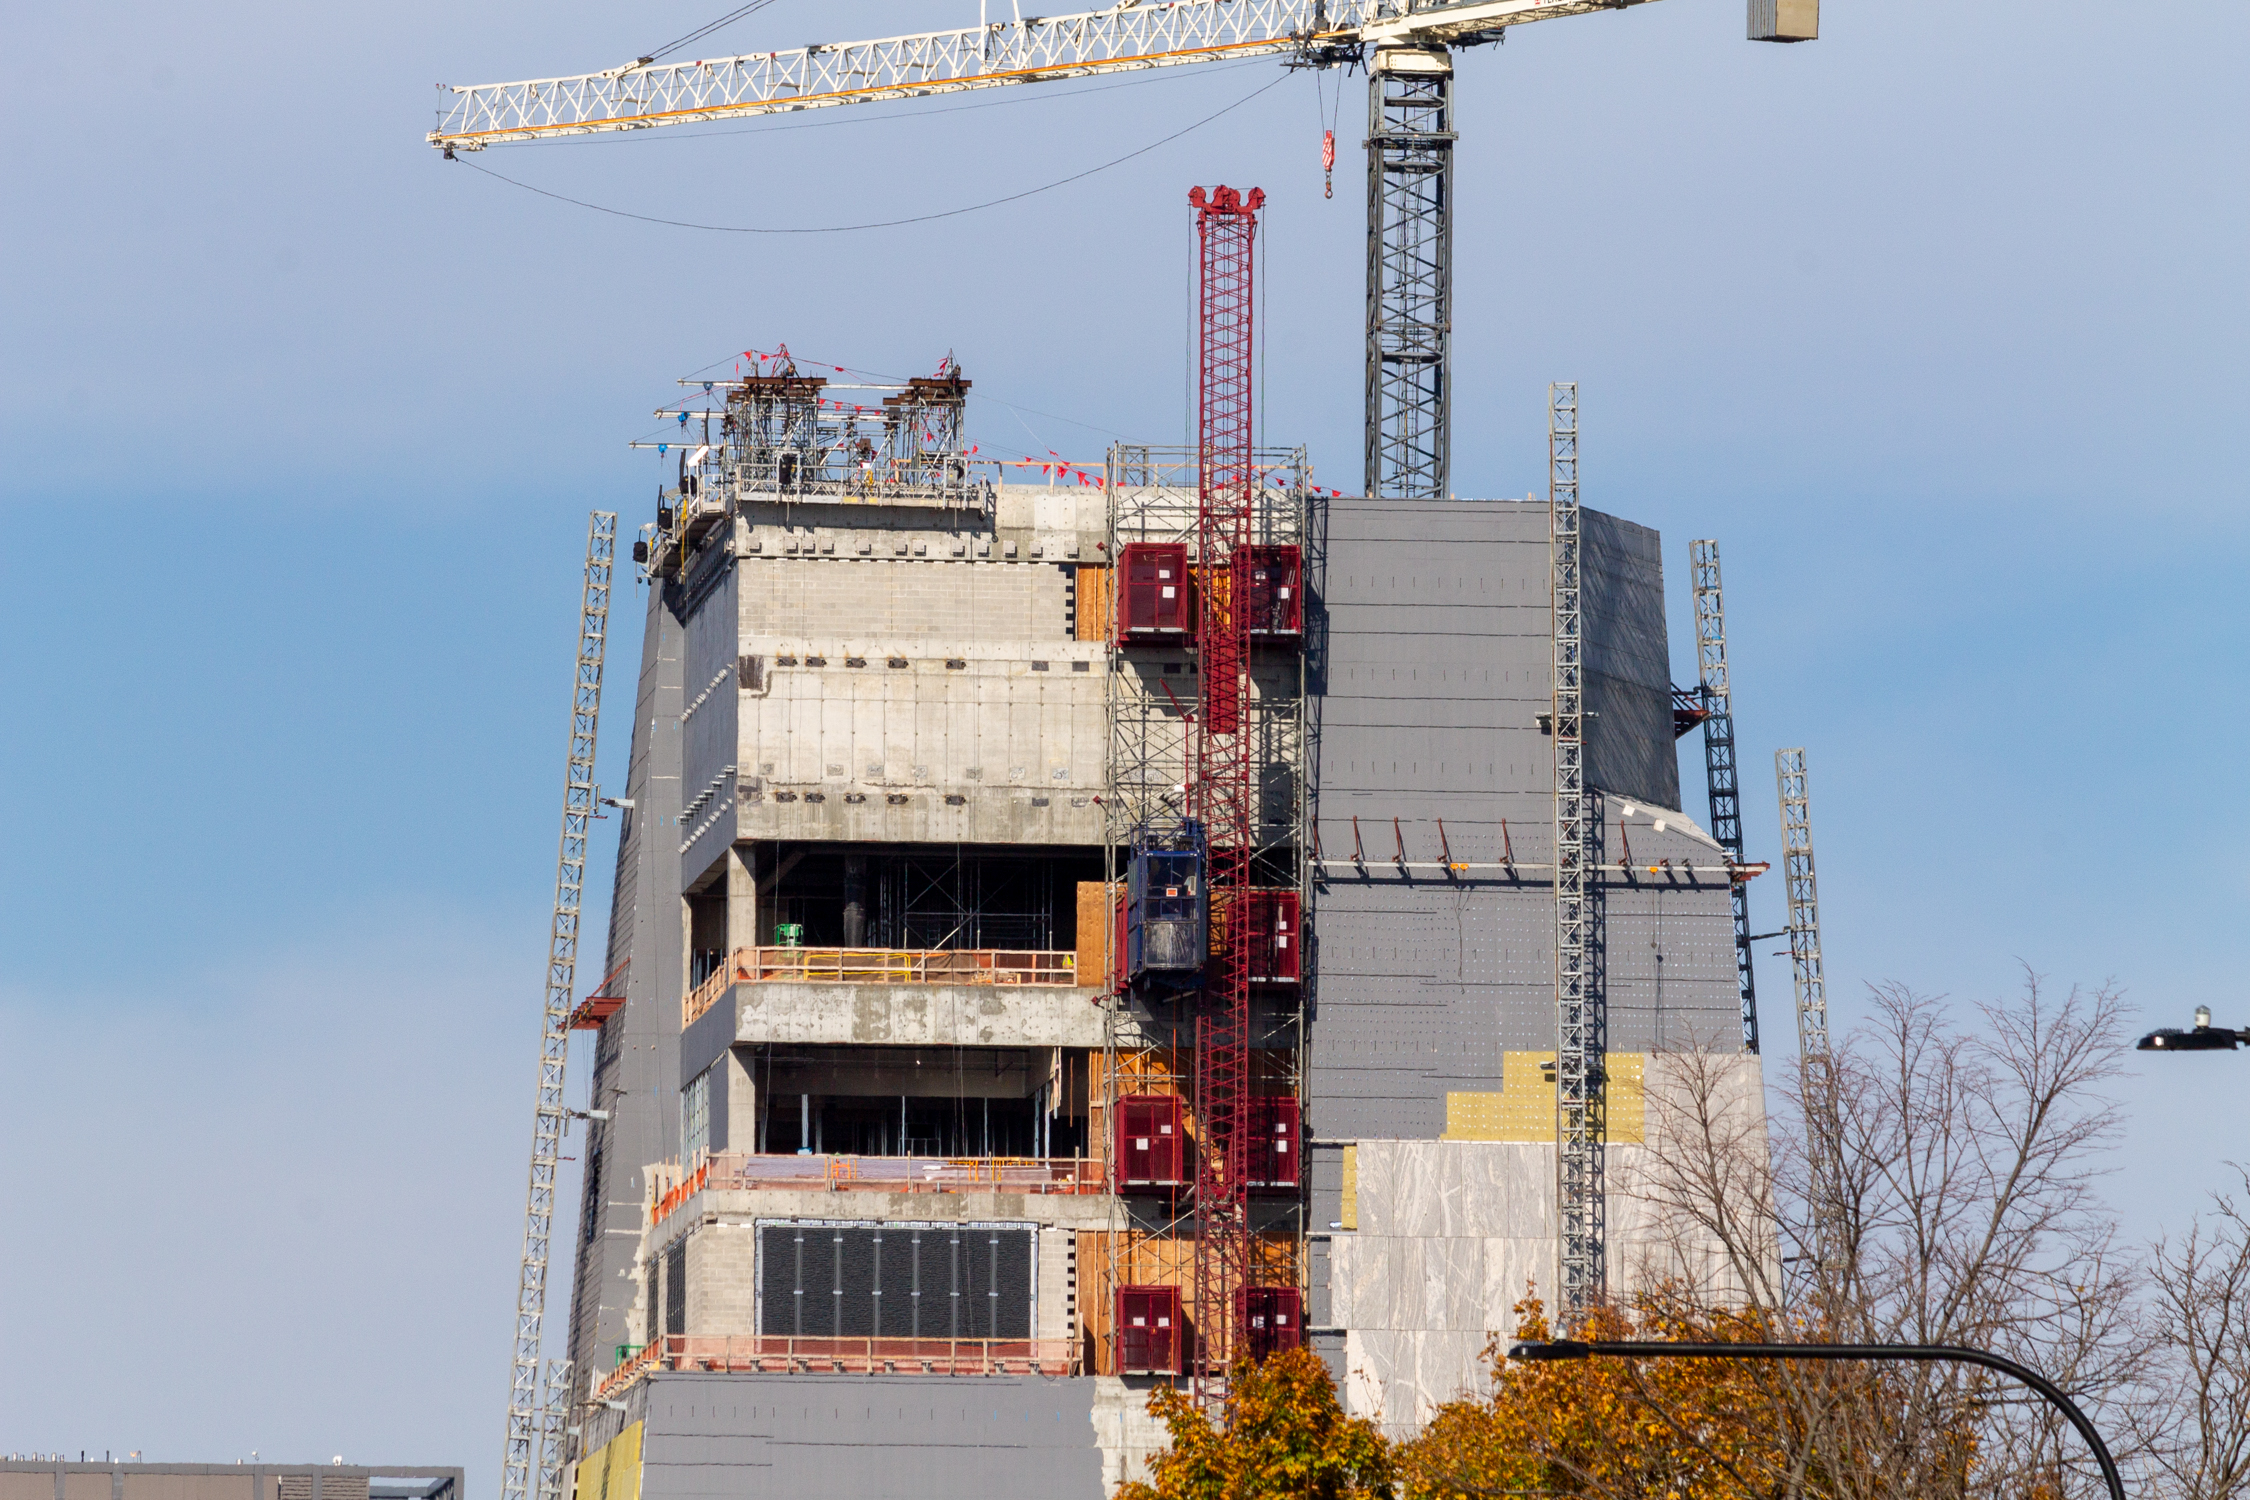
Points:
[(1436, 670), (867, 1438)]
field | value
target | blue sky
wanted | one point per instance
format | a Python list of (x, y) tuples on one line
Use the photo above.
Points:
[(1936, 325)]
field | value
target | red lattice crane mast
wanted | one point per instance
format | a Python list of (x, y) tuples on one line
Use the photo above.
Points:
[(1223, 779)]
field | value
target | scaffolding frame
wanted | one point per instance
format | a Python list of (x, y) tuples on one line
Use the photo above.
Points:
[(1803, 891), (1152, 497), (1580, 1209), (1719, 771), (532, 1460), (786, 438)]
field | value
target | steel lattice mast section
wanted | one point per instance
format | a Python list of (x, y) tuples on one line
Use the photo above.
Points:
[(534, 1431), (1718, 762), (1220, 793), (554, 1416), (1578, 1034), (1409, 273), (1804, 903), (1817, 1079)]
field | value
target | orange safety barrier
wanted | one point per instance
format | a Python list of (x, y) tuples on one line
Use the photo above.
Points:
[(881, 966), (742, 1172), (782, 1355), (692, 1184)]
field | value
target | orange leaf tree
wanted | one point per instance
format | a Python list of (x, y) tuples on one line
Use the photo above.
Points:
[(1668, 1429), (1281, 1435)]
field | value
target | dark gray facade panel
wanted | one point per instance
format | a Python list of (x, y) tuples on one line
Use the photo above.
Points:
[(1330, 1348), (636, 1074), (1436, 673), (868, 1438), (710, 736), (1629, 746)]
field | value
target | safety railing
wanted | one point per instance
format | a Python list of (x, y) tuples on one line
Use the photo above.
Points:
[(742, 1172), (1020, 966), (781, 1355)]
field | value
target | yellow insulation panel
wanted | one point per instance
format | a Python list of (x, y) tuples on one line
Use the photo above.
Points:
[(1524, 1109), (613, 1471)]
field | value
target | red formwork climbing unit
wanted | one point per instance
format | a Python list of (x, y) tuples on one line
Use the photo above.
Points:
[(1148, 1330), (1154, 602), (1276, 946), (1276, 1145), (1151, 1146), (1276, 591), (1222, 789), (1272, 1319)]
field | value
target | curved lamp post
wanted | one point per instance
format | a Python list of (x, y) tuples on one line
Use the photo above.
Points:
[(1911, 1353)]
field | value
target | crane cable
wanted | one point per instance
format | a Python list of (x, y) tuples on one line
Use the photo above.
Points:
[(705, 30), (885, 223)]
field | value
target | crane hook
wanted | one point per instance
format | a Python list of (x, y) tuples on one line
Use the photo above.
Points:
[(1328, 163)]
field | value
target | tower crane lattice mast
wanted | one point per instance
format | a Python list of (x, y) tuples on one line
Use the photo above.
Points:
[(1223, 784), (534, 1449), (1719, 767)]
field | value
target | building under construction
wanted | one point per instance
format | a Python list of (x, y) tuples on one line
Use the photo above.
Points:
[(1071, 935)]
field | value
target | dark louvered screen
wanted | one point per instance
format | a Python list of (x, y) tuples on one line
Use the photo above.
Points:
[(894, 1281), (675, 1289)]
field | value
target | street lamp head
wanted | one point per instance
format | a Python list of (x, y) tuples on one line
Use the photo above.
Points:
[(2204, 1038), (1548, 1349)]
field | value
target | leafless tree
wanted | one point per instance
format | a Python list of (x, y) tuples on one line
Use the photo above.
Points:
[(1932, 1181), (2199, 1295)]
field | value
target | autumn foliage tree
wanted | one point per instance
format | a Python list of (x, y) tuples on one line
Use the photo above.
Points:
[(1679, 1429), (1280, 1433)]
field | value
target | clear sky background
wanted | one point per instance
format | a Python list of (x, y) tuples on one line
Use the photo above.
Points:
[(1937, 325)]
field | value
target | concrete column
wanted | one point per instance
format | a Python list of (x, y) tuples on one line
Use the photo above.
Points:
[(742, 899), (739, 1108), (687, 948), (855, 900)]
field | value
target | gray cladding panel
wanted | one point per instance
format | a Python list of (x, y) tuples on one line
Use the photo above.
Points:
[(1437, 671), (1629, 746), (869, 1438), (637, 1051)]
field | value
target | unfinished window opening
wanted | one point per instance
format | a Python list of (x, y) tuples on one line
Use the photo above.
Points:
[(935, 1102), (707, 935), (934, 900)]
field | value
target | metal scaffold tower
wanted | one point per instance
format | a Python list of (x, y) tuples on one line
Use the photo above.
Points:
[(535, 1427), (1817, 1078), (1804, 903), (1152, 700), (1718, 762), (1579, 1206), (1222, 791), (1409, 272)]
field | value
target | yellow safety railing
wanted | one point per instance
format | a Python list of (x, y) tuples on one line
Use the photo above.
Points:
[(881, 966)]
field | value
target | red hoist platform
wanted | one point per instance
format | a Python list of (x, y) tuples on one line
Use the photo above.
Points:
[(1223, 782)]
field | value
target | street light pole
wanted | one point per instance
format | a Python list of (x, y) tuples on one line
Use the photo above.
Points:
[(1910, 1353)]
